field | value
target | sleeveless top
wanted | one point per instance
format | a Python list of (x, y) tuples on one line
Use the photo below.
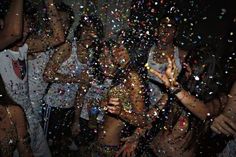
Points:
[(62, 95), (155, 92), (14, 71), (9, 142), (37, 85)]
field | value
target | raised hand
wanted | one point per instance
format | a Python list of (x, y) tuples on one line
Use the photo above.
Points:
[(170, 76)]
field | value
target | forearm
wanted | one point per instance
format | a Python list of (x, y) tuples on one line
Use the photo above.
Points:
[(196, 106), (54, 18), (14, 18), (57, 77)]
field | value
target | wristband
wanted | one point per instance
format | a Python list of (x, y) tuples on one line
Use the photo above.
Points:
[(175, 90)]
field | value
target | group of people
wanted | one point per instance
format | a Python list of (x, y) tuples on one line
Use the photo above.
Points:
[(89, 96)]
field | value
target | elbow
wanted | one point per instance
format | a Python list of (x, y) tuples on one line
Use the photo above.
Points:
[(61, 39)]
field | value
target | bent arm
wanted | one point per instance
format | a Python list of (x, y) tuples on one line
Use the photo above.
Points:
[(13, 22), (51, 73), (39, 44)]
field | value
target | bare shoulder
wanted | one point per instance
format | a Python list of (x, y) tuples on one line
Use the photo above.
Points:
[(16, 111)]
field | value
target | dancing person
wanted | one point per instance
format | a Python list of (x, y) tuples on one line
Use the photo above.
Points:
[(67, 71), (165, 64), (124, 100), (14, 72)]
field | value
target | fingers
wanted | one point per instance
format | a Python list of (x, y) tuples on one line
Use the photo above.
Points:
[(170, 64), (228, 129), (222, 130), (230, 123), (215, 129), (223, 124), (156, 73)]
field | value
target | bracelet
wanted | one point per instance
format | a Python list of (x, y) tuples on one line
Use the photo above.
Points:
[(175, 90)]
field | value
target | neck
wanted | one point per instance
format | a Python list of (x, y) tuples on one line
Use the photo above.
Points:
[(164, 46)]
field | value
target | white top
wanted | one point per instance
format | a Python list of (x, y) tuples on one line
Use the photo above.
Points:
[(62, 95), (13, 70), (37, 85)]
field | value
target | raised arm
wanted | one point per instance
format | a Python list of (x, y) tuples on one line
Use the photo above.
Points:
[(51, 73), (13, 24), (23, 144), (193, 104), (42, 42)]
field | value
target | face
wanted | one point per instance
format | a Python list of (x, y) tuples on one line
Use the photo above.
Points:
[(88, 34), (113, 58), (166, 31), (121, 57)]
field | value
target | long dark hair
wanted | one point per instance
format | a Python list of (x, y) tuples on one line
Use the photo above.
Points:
[(88, 21)]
